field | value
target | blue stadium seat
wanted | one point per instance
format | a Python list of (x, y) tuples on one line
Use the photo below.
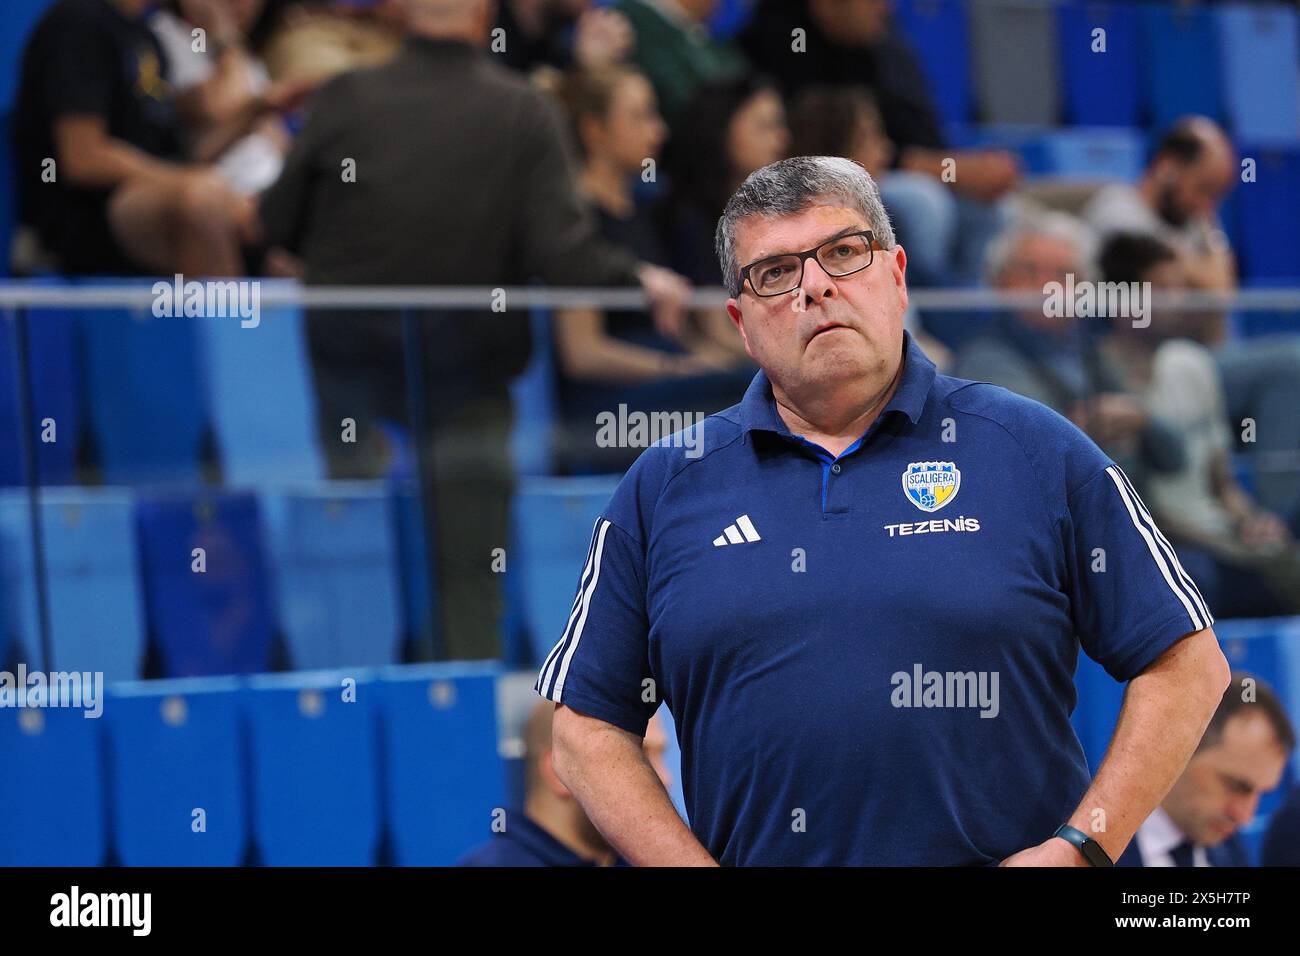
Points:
[(260, 392), (1090, 153), (1261, 85), (443, 775), (1180, 53), (219, 621), (1267, 227), (144, 394), (334, 551), (314, 769), (1101, 88), (174, 750), (937, 30), (56, 395), (95, 606), (553, 521), (52, 801), (1016, 61)]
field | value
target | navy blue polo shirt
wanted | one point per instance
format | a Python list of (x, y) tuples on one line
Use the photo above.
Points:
[(522, 843), (870, 658)]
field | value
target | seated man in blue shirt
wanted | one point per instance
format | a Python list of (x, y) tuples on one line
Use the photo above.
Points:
[(1240, 758), (862, 592), (552, 829)]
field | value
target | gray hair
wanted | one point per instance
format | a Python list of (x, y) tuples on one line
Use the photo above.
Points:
[(792, 185), (1032, 221)]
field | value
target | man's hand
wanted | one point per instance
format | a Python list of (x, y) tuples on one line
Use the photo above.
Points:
[(670, 298), (1051, 852)]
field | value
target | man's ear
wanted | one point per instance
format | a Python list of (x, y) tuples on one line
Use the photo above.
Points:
[(898, 260), (738, 320)]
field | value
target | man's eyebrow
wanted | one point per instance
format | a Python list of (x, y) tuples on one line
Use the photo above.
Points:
[(847, 230)]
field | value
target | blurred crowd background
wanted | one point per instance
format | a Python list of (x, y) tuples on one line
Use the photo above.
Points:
[(569, 143)]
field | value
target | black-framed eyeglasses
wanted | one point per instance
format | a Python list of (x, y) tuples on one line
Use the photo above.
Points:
[(841, 256)]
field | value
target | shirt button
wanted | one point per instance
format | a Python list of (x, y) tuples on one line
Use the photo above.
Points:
[(835, 469)]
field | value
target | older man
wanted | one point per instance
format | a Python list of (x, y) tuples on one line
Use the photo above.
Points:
[(863, 600)]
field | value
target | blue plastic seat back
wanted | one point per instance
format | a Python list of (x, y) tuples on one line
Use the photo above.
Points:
[(1267, 225), (1102, 87), (55, 416), (443, 776), (553, 521), (1260, 46), (220, 620), (315, 776), (52, 801), (338, 590), (144, 394), (176, 776), (938, 32), (260, 391), (1180, 53), (95, 603)]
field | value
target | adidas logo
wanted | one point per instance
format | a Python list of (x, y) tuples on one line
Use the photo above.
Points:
[(743, 531)]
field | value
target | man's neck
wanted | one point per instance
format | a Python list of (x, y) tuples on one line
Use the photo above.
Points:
[(836, 420), (567, 831)]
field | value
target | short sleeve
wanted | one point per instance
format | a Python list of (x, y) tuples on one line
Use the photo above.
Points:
[(77, 76), (1131, 598), (601, 664)]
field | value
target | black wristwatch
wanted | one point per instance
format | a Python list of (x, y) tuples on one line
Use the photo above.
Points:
[(1090, 848)]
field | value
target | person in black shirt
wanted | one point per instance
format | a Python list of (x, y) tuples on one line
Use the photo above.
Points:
[(944, 221), (93, 97), (619, 357), (441, 167)]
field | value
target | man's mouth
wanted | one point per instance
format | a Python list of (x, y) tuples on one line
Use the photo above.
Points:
[(826, 328)]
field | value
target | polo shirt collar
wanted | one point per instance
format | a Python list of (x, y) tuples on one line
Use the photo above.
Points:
[(758, 407)]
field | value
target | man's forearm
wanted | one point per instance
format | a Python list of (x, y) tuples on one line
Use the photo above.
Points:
[(607, 770), (1166, 710)]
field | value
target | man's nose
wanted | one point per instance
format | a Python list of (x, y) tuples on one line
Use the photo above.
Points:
[(817, 284)]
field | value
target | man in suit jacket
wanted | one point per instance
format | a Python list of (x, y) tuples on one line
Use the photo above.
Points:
[(1241, 756)]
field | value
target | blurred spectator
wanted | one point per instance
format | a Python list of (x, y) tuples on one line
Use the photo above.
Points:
[(551, 829), (223, 91), (1052, 359), (561, 34), (728, 131), (841, 121), (608, 359), (480, 195), (94, 97), (1191, 171), (944, 202), (1243, 558), (674, 50), (1240, 757), (1282, 839), (313, 40), (845, 121)]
